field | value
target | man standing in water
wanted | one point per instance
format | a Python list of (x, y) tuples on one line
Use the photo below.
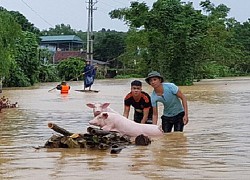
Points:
[(89, 75), (175, 112), (141, 102)]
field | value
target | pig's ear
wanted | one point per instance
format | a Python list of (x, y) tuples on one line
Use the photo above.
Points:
[(105, 105), (105, 115), (90, 105)]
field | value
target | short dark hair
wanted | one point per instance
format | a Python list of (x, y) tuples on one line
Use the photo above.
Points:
[(136, 83)]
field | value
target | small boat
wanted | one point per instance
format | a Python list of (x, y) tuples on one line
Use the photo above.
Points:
[(88, 91)]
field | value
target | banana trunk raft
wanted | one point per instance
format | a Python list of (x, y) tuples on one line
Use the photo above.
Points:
[(94, 138)]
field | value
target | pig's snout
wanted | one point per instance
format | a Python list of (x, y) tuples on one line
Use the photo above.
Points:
[(92, 122)]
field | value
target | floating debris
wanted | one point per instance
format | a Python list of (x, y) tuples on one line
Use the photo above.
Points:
[(94, 138)]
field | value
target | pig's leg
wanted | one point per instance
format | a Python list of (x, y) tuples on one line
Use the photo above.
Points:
[(106, 128), (109, 128)]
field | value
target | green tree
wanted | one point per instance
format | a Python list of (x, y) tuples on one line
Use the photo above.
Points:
[(108, 45), (135, 56), (221, 50), (242, 39), (70, 68), (9, 32), (184, 43), (17, 77), (24, 23), (48, 73), (26, 64), (60, 29), (173, 29)]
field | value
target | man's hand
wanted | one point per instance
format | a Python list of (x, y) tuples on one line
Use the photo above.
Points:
[(185, 120)]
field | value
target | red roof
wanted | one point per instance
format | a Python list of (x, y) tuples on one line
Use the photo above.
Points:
[(61, 55)]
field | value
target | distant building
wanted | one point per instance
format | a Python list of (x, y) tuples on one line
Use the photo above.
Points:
[(66, 46), (62, 43), (63, 46)]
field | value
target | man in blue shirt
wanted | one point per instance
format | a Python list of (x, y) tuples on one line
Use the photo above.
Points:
[(175, 112)]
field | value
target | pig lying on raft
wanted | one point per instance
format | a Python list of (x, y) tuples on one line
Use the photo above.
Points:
[(110, 121)]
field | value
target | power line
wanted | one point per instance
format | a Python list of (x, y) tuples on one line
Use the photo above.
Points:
[(37, 13)]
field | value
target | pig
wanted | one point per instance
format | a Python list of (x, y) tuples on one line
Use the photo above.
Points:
[(100, 107), (110, 121)]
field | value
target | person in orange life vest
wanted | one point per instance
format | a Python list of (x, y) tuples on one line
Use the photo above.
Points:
[(64, 87)]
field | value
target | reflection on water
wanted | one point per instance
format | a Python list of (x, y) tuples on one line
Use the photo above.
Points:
[(215, 144)]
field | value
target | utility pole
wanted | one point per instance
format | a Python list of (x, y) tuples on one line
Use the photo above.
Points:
[(90, 35)]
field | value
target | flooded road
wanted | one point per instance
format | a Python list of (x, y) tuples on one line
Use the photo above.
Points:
[(215, 144)]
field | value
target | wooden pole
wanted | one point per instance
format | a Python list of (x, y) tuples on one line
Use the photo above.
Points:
[(59, 129)]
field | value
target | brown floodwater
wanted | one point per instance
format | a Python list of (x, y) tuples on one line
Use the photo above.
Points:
[(215, 144)]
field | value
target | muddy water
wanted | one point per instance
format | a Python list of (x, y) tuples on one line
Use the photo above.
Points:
[(215, 144)]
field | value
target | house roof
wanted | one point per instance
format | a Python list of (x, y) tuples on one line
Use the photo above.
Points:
[(61, 38), (61, 55)]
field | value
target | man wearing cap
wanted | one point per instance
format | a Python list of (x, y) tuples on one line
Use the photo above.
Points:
[(141, 102), (175, 112)]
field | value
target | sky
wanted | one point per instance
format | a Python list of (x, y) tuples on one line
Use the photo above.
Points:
[(45, 14)]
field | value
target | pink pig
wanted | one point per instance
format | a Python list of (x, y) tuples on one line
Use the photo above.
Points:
[(110, 121), (100, 107)]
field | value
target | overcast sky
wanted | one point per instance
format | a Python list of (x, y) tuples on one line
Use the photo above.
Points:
[(46, 14)]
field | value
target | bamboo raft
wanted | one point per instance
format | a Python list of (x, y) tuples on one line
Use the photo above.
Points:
[(94, 138)]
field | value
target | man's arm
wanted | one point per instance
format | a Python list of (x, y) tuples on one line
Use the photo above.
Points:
[(126, 111), (145, 115), (185, 106), (155, 115), (59, 87)]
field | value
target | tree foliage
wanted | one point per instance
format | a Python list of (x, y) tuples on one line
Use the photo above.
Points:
[(48, 73), (183, 42), (172, 37), (60, 29), (242, 40), (136, 52), (70, 68), (173, 31), (108, 45), (9, 32), (25, 68), (24, 23)]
